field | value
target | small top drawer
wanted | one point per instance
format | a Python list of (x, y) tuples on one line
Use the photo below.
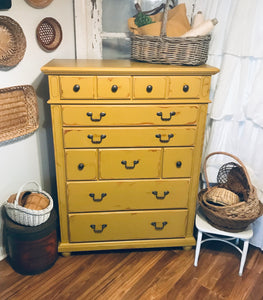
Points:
[(149, 87), (77, 87), (116, 87), (184, 86)]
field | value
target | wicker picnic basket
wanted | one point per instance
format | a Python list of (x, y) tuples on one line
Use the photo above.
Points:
[(170, 50), (234, 216), (19, 206)]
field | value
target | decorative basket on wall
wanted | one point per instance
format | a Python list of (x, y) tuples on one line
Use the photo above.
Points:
[(19, 112), (170, 50), (22, 215), (231, 178)]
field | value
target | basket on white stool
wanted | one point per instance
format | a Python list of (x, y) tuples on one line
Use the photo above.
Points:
[(16, 205)]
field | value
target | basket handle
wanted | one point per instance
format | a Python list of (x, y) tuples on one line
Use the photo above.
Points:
[(231, 155), (164, 21), (36, 189)]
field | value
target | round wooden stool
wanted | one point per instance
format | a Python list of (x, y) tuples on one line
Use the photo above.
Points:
[(31, 250)]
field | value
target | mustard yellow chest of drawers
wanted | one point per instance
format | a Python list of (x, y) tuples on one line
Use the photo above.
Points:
[(128, 141)]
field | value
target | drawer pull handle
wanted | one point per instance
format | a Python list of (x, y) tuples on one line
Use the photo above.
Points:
[(158, 227), (103, 226), (76, 88), (92, 195), (186, 88), (158, 136), (149, 88), (178, 164), (114, 88), (165, 193), (102, 114), (135, 162), (160, 114), (81, 166), (103, 136)]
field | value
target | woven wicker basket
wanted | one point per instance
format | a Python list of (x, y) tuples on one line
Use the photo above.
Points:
[(170, 50), (235, 217), (23, 215), (12, 42), (18, 112)]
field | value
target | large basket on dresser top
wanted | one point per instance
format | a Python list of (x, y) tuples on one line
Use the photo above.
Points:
[(170, 50), (231, 178), (25, 216)]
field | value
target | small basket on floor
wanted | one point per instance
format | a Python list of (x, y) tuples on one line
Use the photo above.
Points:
[(170, 50), (34, 213), (237, 216)]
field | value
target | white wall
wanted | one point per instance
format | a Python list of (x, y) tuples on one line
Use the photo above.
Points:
[(32, 158)]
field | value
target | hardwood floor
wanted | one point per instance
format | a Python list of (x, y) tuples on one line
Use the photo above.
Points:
[(142, 274)]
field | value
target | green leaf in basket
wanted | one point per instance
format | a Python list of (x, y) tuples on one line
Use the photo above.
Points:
[(142, 19)]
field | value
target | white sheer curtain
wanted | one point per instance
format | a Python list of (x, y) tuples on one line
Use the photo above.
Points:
[(235, 116)]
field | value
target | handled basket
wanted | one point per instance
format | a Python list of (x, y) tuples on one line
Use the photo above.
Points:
[(170, 50), (26, 216), (234, 178)]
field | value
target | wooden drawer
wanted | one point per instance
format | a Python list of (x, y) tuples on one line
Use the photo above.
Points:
[(77, 87), (127, 195), (115, 87), (184, 86), (153, 87), (129, 163), (177, 162), (133, 225), (81, 164), (78, 137), (129, 115)]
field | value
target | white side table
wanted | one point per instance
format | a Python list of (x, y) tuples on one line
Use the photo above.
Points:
[(214, 234)]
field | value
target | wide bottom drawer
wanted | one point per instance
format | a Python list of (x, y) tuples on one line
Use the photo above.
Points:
[(85, 227)]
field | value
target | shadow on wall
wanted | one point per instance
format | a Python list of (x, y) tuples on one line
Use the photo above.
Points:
[(45, 140)]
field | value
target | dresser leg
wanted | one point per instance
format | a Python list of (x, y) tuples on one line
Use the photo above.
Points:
[(187, 248), (65, 254)]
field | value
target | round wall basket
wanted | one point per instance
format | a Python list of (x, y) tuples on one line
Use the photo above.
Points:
[(12, 42), (49, 34), (39, 3)]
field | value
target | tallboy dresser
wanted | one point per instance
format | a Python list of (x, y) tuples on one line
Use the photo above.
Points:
[(128, 141)]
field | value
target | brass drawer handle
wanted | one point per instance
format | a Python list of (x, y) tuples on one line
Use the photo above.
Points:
[(76, 88), (158, 136), (102, 136), (135, 162), (155, 193), (102, 114), (92, 195), (149, 88), (160, 114), (114, 88), (156, 227), (103, 226)]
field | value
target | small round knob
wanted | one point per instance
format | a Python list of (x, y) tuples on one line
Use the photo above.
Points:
[(186, 88), (178, 164), (76, 88), (149, 88), (81, 166), (114, 88)]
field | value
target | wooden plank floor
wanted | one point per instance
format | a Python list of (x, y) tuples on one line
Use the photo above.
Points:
[(142, 274)]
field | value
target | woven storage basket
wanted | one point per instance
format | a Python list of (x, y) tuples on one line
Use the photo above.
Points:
[(170, 50), (236, 217), (12, 42), (39, 3), (25, 216), (18, 112), (49, 34)]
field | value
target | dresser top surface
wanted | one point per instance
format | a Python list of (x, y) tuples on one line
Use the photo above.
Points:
[(120, 67)]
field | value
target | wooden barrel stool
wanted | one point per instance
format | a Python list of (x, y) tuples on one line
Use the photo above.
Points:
[(31, 250)]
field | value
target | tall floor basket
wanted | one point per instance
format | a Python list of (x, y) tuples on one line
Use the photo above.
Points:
[(234, 178)]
